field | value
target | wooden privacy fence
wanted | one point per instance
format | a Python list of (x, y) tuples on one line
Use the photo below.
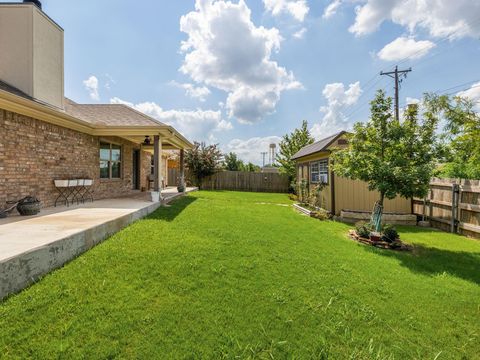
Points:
[(247, 181), (452, 205)]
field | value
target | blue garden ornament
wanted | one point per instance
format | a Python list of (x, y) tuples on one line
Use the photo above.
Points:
[(376, 219)]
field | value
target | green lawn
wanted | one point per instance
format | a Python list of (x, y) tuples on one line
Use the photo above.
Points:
[(241, 275)]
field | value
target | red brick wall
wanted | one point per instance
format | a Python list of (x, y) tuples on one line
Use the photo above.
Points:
[(34, 153)]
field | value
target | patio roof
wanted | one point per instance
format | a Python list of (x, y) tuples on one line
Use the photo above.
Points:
[(97, 120)]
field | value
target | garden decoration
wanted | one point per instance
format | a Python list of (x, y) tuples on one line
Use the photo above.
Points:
[(29, 206), (388, 238), (11, 206), (376, 219), (26, 207)]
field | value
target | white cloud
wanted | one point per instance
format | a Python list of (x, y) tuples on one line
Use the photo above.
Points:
[(473, 94), (225, 50), (334, 119), (296, 8), (300, 34), (410, 101), (454, 19), (403, 47), (331, 9), (250, 150), (91, 85), (196, 92), (198, 125)]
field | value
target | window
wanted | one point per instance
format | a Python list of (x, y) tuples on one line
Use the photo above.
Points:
[(110, 161), (319, 172)]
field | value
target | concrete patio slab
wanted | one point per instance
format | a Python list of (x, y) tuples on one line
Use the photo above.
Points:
[(31, 247)]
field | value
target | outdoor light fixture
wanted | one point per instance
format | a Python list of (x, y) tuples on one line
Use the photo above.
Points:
[(147, 140)]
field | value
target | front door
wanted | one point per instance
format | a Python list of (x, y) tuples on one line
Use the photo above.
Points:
[(136, 170)]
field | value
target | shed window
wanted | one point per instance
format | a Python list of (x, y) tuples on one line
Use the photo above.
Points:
[(110, 161), (319, 172)]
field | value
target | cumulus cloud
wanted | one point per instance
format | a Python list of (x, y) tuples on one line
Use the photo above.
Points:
[(454, 19), (403, 47), (91, 85), (296, 8), (331, 9), (300, 34), (225, 50), (250, 150), (196, 92), (338, 98), (198, 125), (473, 94)]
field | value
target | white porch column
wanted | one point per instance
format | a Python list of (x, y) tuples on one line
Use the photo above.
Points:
[(157, 163)]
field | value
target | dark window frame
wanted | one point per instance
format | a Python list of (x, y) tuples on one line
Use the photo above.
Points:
[(111, 162)]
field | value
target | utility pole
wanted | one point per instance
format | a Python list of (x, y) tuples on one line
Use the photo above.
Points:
[(264, 154), (398, 76)]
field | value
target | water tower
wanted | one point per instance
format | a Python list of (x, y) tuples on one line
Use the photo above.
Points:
[(273, 153)]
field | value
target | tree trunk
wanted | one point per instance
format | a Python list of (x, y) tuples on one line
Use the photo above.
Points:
[(378, 225)]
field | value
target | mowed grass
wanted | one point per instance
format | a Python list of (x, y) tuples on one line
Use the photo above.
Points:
[(226, 275)]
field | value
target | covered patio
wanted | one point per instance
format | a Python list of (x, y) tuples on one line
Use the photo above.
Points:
[(31, 247)]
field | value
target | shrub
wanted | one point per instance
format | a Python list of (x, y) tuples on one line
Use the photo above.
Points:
[(390, 234), (303, 191), (293, 197), (320, 214), (363, 229)]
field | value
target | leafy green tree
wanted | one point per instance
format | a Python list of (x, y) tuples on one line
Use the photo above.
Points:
[(203, 161), (461, 135), (232, 162), (393, 157), (291, 144), (251, 167)]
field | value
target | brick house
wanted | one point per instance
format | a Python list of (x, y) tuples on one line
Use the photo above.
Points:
[(45, 136)]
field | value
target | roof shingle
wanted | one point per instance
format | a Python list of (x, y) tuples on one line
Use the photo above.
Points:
[(109, 114), (321, 145)]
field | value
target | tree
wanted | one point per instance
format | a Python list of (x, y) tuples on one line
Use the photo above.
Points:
[(461, 136), (203, 161), (393, 157), (289, 146), (232, 163), (251, 167)]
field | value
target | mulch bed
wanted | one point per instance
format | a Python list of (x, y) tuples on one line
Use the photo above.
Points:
[(396, 245)]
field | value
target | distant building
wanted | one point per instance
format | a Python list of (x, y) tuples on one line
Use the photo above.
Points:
[(270, 169)]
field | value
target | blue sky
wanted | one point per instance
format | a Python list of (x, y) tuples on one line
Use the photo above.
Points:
[(243, 73)]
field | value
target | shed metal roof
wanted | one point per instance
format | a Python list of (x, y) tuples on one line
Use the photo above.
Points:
[(321, 145)]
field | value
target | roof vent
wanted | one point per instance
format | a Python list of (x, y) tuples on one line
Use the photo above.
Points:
[(35, 2)]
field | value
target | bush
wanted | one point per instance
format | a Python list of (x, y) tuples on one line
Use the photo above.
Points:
[(293, 197), (363, 229), (320, 214), (390, 234)]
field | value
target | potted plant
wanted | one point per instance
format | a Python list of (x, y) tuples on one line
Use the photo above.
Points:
[(29, 206)]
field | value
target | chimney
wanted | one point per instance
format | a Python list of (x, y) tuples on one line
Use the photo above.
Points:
[(31, 48), (35, 2)]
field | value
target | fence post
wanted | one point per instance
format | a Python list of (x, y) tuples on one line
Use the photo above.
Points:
[(430, 204), (453, 223)]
